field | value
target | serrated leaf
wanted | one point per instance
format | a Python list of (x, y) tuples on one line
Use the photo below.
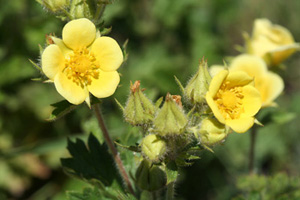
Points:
[(90, 163), (60, 109)]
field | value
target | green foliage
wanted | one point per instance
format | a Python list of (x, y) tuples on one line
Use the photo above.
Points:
[(60, 109), (92, 163), (279, 186), (95, 194)]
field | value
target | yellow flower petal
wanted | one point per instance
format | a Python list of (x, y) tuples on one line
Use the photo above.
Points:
[(72, 92), (215, 69), (251, 101), (59, 42), (254, 66), (271, 89), (238, 78), (105, 85), (213, 106), (52, 61), (241, 125), (108, 53), (216, 82), (79, 33), (281, 53)]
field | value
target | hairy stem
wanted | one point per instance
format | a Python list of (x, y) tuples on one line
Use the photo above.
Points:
[(112, 148), (170, 191), (252, 149)]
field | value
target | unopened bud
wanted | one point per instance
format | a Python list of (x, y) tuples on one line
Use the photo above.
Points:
[(81, 9), (153, 148), (170, 119), (139, 110), (211, 132), (150, 177), (55, 5), (198, 85)]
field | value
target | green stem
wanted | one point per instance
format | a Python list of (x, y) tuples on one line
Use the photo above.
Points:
[(112, 148), (170, 191), (252, 149), (99, 12)]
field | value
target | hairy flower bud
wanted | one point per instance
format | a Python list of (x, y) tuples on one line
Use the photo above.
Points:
[(210, 132), (198, 85), (81, 9), (150, 177), (55, 5), (170, 119), (153, 148), (139, 110)]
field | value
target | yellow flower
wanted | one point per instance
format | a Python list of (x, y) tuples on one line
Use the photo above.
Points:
[(273, 43), (82, 62), (269, 84), (234, 100), (211, 132)]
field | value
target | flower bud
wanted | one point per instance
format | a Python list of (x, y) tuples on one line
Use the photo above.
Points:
[(211, 132), (81, 9), (55, 5), (153, 148), (198, 85), (150, 177), (139, 110), (170, 119)]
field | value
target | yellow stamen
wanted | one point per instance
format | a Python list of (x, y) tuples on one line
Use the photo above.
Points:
[(229, 101), (81, 67)]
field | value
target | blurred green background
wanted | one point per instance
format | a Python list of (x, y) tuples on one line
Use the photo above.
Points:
[(166, 38)]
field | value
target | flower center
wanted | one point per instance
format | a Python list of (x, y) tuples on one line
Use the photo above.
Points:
[(229, 101), (81, 67)]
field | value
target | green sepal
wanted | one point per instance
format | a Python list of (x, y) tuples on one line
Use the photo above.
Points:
[(105, 31), (179, 84), (124, 50), (119, 104), (170, 119), (150, 177), (60, 109), (36, 66), (158, 102), (171, 170), (130, 148)]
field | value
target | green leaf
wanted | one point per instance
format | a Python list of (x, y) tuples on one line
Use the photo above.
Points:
[(60, 109), (92, 163), (172, 172), (88, 194)]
